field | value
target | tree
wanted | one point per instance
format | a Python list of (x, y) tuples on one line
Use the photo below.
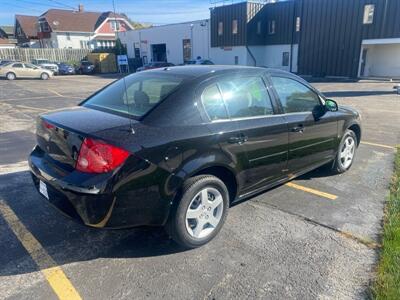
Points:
[(136, 25)]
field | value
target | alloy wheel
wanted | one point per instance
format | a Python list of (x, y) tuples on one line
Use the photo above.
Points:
[(204, 213), (347, 152), (10, 76)]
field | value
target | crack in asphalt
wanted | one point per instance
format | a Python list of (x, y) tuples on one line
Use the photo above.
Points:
[(346, 234)]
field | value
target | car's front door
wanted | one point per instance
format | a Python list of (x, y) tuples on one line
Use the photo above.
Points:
[(312, 130), (264, 134), (31, 71)]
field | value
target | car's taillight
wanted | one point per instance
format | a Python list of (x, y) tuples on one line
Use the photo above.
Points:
[(48, 125), (98, 157)]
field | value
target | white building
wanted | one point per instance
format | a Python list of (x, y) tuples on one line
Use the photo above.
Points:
[(174, 43)]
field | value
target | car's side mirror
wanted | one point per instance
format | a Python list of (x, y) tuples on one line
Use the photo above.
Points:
[(331, 105)]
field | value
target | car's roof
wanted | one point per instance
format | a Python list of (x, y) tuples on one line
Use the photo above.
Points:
[(193, 71)]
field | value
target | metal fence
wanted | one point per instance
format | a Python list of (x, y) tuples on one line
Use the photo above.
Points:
[(54, 55)]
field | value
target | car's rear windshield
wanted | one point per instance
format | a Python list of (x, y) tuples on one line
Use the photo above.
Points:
[(135, 95)]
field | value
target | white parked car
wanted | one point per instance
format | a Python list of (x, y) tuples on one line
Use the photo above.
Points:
[(45, 63)]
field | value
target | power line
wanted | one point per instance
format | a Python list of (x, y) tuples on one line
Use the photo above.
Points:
[(40, 4), (23, 7), (60, 3)]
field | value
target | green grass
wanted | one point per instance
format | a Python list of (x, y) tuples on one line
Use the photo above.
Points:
[(387, 284)]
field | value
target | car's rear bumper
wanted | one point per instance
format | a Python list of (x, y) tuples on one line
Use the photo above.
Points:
[(133, 203)]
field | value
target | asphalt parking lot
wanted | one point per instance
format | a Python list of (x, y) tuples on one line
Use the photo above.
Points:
[(317, 237)]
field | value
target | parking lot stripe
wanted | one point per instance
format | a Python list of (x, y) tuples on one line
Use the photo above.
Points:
[(55, 92), (55, 276), (311, 191), (378, 145), (32, 108)]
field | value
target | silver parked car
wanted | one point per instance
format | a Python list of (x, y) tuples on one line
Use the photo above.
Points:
[(15, 70)]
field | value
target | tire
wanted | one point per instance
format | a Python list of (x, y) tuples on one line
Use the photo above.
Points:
[(208, 218), (344, 160), (11, 76), (44, 76)]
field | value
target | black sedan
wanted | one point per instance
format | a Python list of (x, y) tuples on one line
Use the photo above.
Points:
[(176, 147), (85, 67)]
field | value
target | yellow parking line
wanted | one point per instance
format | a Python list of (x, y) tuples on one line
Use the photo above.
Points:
[(55, 92), (53, 273), (32, 108), (378, 145), (311, 191)]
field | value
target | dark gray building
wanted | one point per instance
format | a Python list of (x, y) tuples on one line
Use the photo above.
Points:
[(344, 38)]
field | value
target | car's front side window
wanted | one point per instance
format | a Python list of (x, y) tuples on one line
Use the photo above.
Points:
[(213, 103), (246, 97), (295, 96)]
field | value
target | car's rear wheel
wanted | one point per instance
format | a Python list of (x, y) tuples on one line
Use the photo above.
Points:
[(44, 76), (11, 76), (199, 215), (346, 152)]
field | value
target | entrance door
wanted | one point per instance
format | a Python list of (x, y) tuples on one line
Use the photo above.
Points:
[(159, 52), (363, 61)]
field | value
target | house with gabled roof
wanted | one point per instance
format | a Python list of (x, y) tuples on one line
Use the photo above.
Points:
[(59, 28), (25, 31)]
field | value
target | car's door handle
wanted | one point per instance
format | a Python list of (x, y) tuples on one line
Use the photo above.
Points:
[(298, 128), (240, 139)]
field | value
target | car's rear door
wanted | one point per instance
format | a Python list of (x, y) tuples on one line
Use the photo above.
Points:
[(19, 70), (312, 131), (264, 132)]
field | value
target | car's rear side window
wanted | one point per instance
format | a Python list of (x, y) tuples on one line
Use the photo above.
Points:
[(213, 103), (136, 95), (17, 66), (246, 97)]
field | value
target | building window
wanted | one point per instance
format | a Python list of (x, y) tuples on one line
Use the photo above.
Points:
[(298, 24), (44, 26), (236, 60), (259, 27), (369, 10), (271, 27), (68, 36), (115, 25), (234, 26), (285, 59), (220, 28), (187, 50)]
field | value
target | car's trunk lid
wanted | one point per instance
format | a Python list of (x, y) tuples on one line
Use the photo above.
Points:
[(61, 133)]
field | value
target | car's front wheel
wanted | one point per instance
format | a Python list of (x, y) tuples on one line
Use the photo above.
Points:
[(199, 215), (11, 76), (44, 76), (346, 152)]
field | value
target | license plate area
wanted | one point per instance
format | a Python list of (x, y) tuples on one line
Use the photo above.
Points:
[(43, 189)]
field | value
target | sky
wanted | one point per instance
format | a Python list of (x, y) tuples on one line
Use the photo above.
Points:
[(157, 12)]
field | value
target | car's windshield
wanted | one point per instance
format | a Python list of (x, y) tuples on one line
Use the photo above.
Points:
[(42, 61), (86, 63), (136, 95)]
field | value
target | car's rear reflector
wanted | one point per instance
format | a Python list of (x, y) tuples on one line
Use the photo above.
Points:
[(98, 157)]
